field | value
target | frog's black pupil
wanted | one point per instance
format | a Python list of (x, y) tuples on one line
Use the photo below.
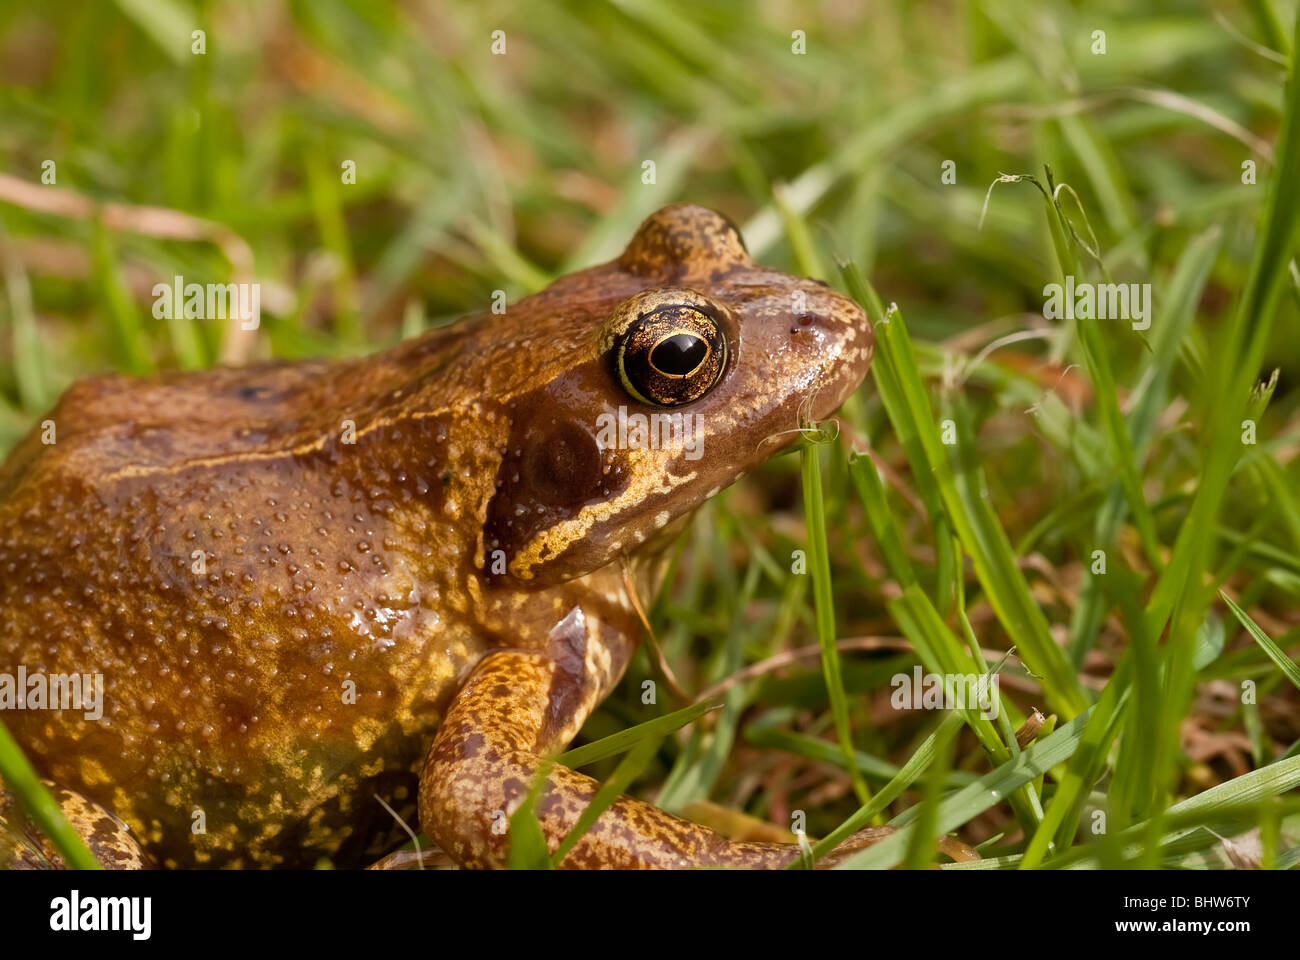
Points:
[(679, 354)]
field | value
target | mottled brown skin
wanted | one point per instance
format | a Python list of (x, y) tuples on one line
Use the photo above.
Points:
[(24, 847), (457, 568), (488, 751)]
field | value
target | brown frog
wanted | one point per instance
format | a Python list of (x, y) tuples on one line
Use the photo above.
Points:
[(309, 584)]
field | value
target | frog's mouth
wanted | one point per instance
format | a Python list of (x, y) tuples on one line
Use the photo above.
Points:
[(645, 496)]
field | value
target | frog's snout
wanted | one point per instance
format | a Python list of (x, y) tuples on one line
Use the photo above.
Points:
[(839, 331)]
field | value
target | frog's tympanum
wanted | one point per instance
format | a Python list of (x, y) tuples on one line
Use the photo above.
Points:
[(310, 585)]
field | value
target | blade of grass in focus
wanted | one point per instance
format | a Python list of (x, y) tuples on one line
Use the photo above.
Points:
[(920, 845), (904, 396), (972, 800), (907, 429), (1275, 653), (1170, 325), (916, 765), (17, 774), (824, 608)]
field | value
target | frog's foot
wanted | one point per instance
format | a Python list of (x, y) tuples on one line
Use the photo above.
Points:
[(24, 847), (412, 860), (517, 707), (490, 746), (953, 848)]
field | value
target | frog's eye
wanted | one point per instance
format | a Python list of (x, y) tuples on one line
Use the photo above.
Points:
[(671, 354)]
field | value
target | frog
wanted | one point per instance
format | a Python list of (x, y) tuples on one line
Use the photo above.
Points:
[(323, 593)]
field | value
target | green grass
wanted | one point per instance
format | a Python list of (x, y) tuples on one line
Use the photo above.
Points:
[(40, 805), (478, 173)]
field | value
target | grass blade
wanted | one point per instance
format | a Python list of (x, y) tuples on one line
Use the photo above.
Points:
[(31, 794), (625, 740), (1275, 653), (824, 604)]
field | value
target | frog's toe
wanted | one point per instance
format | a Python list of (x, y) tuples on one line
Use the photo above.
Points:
[(951, 846), (855, 843), (24, 847)]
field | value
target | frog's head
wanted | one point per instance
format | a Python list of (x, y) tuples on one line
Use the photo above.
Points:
[(683, 366)]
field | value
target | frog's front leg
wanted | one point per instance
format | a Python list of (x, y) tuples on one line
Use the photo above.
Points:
[(518, 707), (487, 752)]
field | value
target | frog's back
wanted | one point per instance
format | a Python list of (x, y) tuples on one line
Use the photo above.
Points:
[(110, 423), (237, 553)]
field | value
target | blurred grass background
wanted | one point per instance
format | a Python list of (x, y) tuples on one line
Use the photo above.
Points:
[(476, 172)]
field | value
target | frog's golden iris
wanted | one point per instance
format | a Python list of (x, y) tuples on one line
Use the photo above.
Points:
[(669, 347)]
